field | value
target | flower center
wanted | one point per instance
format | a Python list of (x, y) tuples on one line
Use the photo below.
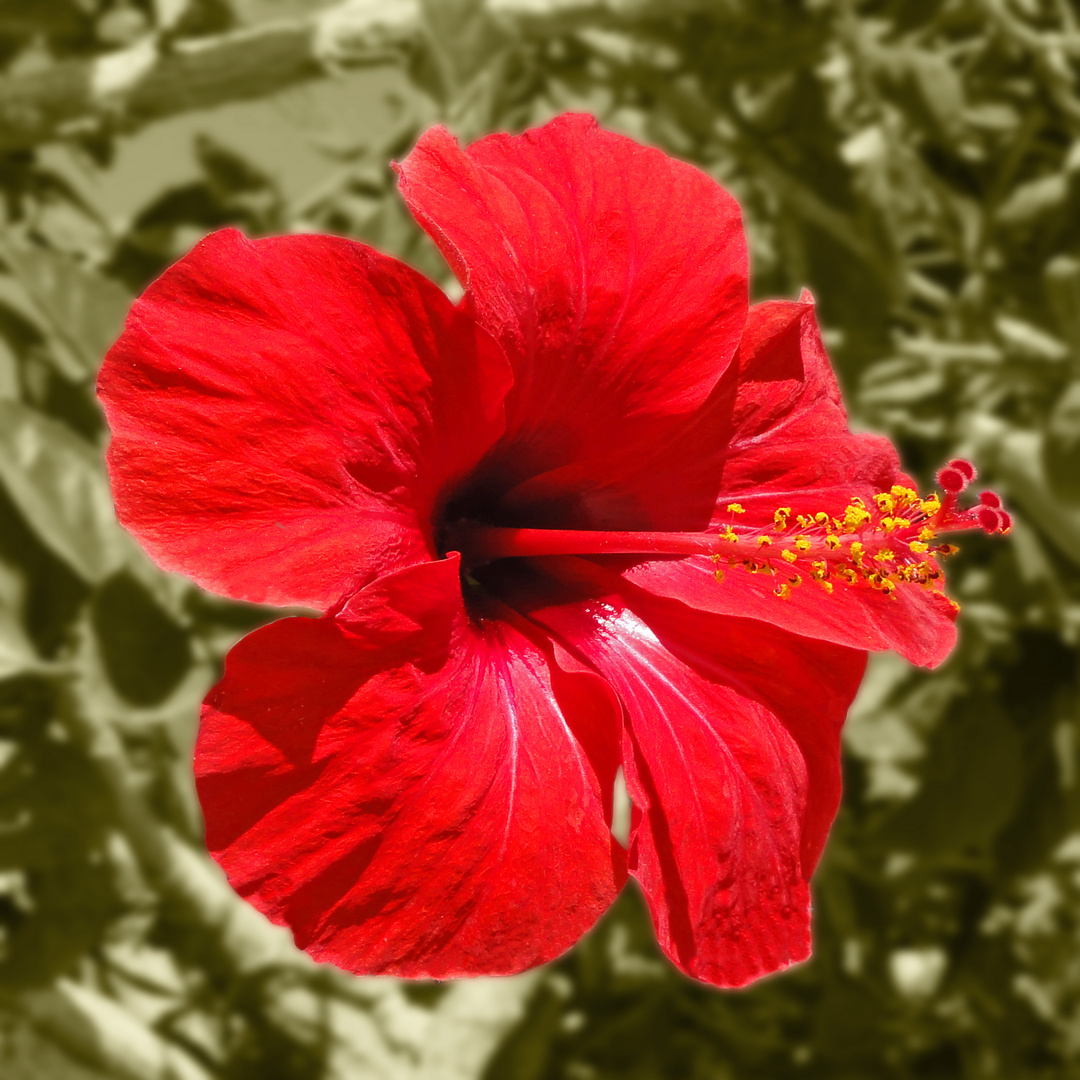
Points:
[(881, 544)]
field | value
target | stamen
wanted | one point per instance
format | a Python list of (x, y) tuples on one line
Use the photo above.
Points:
[(880, 544)]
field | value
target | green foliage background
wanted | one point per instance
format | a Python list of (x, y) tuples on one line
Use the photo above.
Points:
[(916, 163)]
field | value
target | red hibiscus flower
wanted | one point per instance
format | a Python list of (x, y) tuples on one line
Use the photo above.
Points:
[(600, 514)]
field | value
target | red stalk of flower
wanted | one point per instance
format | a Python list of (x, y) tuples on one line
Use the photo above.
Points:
[(600, 514)]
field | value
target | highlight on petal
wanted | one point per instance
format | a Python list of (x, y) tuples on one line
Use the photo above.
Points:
[(287, 412), (407, 789), (774, 436), (732, 761), (614, 276)]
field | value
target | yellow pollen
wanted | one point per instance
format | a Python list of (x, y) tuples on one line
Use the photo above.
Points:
[(854, 516), (862, 559), (948, 549)]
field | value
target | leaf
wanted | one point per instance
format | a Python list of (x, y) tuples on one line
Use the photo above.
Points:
[(971, 782), (170, 13), (100, 1031), (56, 889), (470, 1021), (17, 653), (1061, 278), (57, 482), (145, 653), (80, 313), (1033, 198), (462, 37), (1029, 341), (41, 17), (1021, 460), (941, 88)]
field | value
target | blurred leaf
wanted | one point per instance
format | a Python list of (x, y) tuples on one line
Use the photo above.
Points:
[(80, 313), (1034, 198), (233, 191), (98, 1030), (56, 890), (144, 652), (243, 191), (970, 784), (941, 88), (1029, 341), (169, 13), (1062, 277), (41, 17), (1061, 446), (463, 37), (57, 482), (17, 653)]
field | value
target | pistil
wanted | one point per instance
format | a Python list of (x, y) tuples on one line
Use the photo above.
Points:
[(480, 544), (881, 544)]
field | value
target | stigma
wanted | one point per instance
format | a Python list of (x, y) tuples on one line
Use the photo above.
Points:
[(881, 544)]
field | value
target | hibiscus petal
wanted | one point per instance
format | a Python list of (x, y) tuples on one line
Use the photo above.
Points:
[(287, 412), (774, 433), (407, 791), (917, 622), (614, 276), (732, 762)]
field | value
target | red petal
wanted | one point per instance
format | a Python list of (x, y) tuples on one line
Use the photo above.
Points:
[(774, 433), (407, 791), (918, 623), (733, 764), (286, 412), (614, 276)]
